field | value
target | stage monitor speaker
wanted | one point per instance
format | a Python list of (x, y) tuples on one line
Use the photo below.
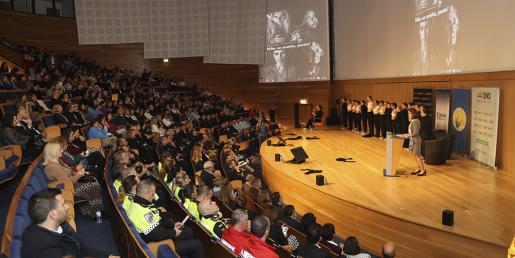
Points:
[(299, 155), (448, 217), (320, 180), (277, 157), (268, 142)]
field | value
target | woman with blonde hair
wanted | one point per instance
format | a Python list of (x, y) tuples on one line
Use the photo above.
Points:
[(180, 182), (197, 158), (58, 167)]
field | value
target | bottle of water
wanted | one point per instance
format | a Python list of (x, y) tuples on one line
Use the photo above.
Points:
[(99, 217)]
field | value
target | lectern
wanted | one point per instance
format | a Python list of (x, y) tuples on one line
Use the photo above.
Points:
[(393, 154)]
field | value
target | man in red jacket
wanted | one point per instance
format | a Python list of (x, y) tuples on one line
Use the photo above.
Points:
[(237, 234), (255, 246)]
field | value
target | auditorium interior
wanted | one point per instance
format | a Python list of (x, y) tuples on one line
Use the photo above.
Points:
[(257, 128)]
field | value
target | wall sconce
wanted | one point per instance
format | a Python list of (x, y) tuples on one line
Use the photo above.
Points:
[(303, 101), (165, 60)]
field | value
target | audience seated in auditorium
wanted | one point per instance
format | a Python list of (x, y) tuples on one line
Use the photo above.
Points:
[(312, 248), (277, 233), (50, 235), (237, 232), (144, 105), (180, 182), (328, 232), (256, 245), (351, 248), (211, 217), (155, 224), (290, 217), (210, 178), (58, 167), (388, 250), (191, 202), (307, 220)]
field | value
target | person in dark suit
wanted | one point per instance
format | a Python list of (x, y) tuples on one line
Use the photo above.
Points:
[(426, 127), (207, 175), (312, 249), (289, 217), (328, 232), (364, 111), (50, 235), (344, 113), (388, 117)]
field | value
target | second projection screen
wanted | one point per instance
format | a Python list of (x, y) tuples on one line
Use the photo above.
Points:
[(297, 46)]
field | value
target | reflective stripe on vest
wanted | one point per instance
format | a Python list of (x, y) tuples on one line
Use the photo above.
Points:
[(145, 219), (192, 207)]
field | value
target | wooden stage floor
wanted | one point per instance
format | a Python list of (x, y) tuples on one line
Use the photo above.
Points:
[(360, 201)]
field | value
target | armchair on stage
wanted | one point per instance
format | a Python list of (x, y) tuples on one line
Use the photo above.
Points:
[(393, 154)]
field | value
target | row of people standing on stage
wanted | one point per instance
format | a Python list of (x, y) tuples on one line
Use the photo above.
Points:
[(374, 118)]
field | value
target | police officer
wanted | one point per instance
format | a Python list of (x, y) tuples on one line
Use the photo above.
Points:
[(155, 224), (211, 217)]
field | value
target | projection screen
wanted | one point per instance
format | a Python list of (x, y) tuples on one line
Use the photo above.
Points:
[(297, 46), (379, 39)]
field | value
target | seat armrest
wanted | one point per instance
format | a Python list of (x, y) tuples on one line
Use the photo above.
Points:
[(153, 246)]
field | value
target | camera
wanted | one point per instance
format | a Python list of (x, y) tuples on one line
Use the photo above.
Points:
[(139, 169)]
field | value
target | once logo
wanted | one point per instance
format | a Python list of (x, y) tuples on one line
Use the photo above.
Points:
[(459, 119)]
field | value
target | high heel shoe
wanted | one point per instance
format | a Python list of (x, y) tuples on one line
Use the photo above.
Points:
[(415, 172), (422, 174)]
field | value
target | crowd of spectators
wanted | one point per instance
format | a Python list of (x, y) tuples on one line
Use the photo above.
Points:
[(161, 133)]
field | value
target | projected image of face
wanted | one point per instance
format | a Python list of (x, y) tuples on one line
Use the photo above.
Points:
[(311, 19), (279, 56), (280, 71), (455, 25), (296, 39), (277, 28), (306, 30), (315, 53), (423, 35)]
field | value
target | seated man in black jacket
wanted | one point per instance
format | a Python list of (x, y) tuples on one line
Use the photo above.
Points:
[(49, 235), (313, 249), (289, 217)]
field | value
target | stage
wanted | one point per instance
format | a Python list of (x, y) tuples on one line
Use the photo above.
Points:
[(407, 210)]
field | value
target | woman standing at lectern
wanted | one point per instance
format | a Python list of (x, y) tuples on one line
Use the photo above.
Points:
[(415, 143)]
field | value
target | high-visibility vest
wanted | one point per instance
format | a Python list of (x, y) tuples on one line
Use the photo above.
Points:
[(176, 192), (192, 208), (117, 183), (127, 202), (144, 218), (209, 224)]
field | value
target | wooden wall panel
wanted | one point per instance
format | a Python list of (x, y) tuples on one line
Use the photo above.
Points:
[(401, 90)]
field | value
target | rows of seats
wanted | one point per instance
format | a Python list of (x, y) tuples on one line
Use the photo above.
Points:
[(10, 159), (18, 218), (251, 204), (211, 243), (125, 233)]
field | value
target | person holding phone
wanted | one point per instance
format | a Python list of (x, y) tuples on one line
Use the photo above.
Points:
[(154, 224)]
